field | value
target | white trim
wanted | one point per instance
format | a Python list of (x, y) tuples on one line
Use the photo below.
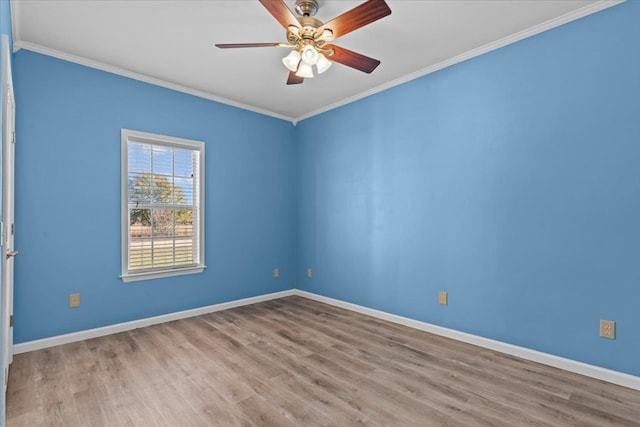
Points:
[(529, 32), (157, 139), (135, 277), (7, 199), (141, 323), (615, 377), (513, 38), (19, 44), (608, 375), (126, 136), (532, 31), (15, 14)]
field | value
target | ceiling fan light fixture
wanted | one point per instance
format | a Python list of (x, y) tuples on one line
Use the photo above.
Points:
[(308, 37), (310, 55), (292, 60), (304, 70), (323, 64), (326, 34), (293, 29)]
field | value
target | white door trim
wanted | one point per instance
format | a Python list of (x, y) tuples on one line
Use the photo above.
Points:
[(6, 238)]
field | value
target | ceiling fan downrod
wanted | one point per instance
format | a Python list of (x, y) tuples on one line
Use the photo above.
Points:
[(306, 7)]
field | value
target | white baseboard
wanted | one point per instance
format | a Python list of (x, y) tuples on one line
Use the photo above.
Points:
[(585, 369), (141, 323)]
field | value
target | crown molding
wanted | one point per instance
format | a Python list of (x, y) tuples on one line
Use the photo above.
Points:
[(529, 32), (33, 47), (521, 35)]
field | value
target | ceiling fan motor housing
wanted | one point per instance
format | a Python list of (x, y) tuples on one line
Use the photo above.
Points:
[(307, 31), (306, 7)]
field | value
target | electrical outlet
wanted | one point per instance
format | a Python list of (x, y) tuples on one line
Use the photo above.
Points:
[(309, 273), (74, 300), (443, 298), (276, 273), (608, 329)]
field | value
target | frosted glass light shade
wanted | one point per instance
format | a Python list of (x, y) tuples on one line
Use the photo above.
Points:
[(292, 60), (323, 64), (310, 55), (305, 70), (326, 34)]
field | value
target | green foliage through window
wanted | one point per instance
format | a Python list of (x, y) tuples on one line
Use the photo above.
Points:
[(162, 196)]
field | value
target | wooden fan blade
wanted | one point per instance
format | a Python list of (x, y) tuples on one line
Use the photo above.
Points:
[(236, 45), (355, 18), (293, 79), (280, 11), (352, 59)]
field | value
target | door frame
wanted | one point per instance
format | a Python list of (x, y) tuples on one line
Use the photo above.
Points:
[(6, 228)]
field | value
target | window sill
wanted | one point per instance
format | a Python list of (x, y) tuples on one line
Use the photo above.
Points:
[(134, 277)]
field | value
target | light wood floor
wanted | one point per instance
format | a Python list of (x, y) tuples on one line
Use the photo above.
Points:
[(296, 362)]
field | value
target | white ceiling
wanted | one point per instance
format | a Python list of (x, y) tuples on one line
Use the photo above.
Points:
[(172, 43)]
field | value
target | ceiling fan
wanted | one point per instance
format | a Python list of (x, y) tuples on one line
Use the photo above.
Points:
[(308, 37)]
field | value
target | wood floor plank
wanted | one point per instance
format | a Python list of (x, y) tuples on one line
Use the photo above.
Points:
[(334, 409), (393, 404), (261, 413), (297, 362), (394, 350)]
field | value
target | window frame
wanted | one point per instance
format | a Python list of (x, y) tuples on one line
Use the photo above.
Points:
[(128, 135)]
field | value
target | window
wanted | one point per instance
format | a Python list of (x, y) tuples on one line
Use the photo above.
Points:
[(162, 206)]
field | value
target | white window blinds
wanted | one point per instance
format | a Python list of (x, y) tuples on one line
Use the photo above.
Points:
[(164, 194)]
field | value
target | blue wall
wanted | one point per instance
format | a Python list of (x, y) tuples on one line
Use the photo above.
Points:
[(511, 181), (68, 198)]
